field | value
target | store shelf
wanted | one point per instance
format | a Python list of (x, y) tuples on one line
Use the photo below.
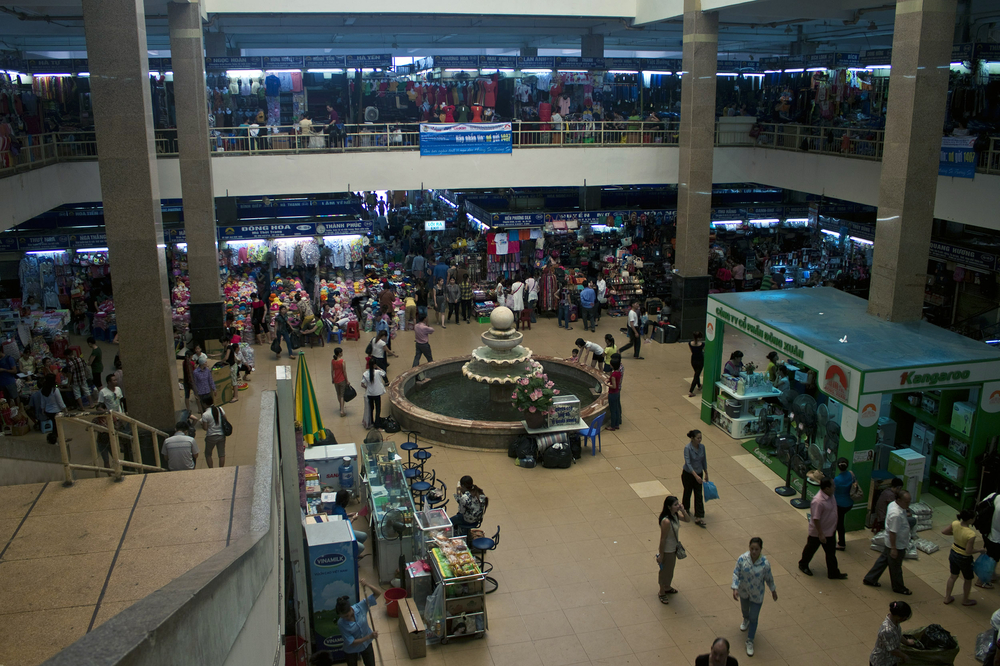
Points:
[(951, 455), (920, 414), (774, 393)]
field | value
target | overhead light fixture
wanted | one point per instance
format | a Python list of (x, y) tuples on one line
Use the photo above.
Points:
[(794, 71)]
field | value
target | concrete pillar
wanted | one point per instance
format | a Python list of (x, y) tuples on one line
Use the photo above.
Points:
[(116, 49), (215, 45), (195, 160), (921, 52), (590, 198), (528, 51), (592, 46), (694, 187)]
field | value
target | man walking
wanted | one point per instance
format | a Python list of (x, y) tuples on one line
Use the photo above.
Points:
[(420, 333), (204, 383), (634, 334), (588, 300), (180, 451), (822, 530), (897, 540)]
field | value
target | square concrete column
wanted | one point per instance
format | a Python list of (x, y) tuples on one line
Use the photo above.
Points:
[(119, 83), (188, 61), (918, 90), (694, 186), (592, 46)]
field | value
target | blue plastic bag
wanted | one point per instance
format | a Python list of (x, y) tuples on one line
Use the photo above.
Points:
[(983, 568), (711, 492)]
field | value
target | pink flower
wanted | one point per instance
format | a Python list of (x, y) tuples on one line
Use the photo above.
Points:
[(536, 394), (549, 384), (555, 392), (532, 410), (524, 381), (513, 396)]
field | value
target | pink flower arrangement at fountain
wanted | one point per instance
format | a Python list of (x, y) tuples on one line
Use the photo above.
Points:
[(534, 392)]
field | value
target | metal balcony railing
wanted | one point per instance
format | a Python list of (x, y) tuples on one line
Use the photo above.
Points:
[(856, 143)]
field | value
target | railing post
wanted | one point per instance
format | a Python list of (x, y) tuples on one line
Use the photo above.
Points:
[(136, 449), (98, 461), (116, 452), (63, 453), (156, 449)]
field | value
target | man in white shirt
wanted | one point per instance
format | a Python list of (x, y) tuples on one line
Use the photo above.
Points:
[(179, 451), (634, 334), (897, 540), (111, 395)]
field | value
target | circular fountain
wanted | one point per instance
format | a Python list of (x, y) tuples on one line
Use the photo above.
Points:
[(466, 400)]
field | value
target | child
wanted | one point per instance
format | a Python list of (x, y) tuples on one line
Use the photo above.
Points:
[(576, 355), (592, 349), (610, 349)]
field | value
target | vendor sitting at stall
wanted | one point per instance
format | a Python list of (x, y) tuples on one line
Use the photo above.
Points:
[(472, 503), (772, 366), (339, 508), (734, 366)]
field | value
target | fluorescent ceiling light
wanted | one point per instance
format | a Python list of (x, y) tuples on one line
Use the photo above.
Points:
[(816, 69), (91, 249), (861, 240), (727, 223), (60, 74), (83, 74), (664, 73), (289, 71), (831, 233), (726, 74), (772, 220), (325, 71), (772, 71), (460, 69), (794, 71), (871, 67), (44, 251), (625, 71), (797, 219), (536, 71), (573, 71)]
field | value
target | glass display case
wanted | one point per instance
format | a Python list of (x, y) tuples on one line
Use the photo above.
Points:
[(390, 507)]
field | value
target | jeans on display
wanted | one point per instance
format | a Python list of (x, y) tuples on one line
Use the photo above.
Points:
[(615, 409), (692, 487), (588, 319), (751, 611), (895, 566), (829, 549), (423, 348), (563, 315)]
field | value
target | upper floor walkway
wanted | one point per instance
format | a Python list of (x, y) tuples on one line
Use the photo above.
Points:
[(61, 168)]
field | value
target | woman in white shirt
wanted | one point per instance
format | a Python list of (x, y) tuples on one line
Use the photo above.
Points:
[(516, 301), (602, 296), (211, 421), (374, 382)]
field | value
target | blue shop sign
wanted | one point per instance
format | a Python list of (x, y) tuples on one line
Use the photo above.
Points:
[(345, 228), (264, 231), (96, 239), (989, 52), (661, 65), (820, 60), (624, 64), (8, 243), (373, 60), (958, 157), (465, 139), (278, 208), (325, 62), (50, 66), (233, 62), (456, 61), (171, 236), (728, 214), (964, 256), (536, 62), (588, 64), (962, 52), (284, 62), (497, 62), (876, 57), (37, 243), (847, 59), (518, 219)]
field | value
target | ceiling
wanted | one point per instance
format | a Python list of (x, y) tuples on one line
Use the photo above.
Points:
[(759, 28)]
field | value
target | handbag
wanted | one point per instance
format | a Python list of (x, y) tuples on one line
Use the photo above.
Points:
[(857, 494), (276, 346), (227, 427), (711, 492), (350, 393), (681, 552)]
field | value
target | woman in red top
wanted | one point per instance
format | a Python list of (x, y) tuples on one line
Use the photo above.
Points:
[(614, 392), (339, 377)]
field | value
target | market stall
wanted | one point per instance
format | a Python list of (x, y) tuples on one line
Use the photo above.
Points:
[(858, 388)]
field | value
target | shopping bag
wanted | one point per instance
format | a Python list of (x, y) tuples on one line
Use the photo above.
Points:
[(984, 642), (711, 492), (276, 346), (350, 393), (983, 568)]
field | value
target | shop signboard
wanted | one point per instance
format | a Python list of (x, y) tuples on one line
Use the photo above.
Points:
[(624, 64), (519, 219), (974, 259), (728, 213), (958, 157), (931, 377), (847, 59), (38, 243), (434, 225), (871, 406), (83, 64), (171, 236), (49, 66), (766, 211), (535, 62), (277, 208), (324, 62), (284, 62), (729, 65), (661, 65), (990, 52), (827, 60), (837, 381), (9, 60), (465, 139), (369, 61), (588, 64), (233, 62), (97, 239), (497, 62), (962, 52), (990, 402), (264, 231), (8, 243), (345, 228), (456, 61), (873, 57)]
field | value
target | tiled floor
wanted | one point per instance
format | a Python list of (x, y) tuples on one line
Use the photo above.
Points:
[(70, 558), (575, 562)]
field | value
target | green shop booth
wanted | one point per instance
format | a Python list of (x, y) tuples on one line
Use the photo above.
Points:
[(895, 399)]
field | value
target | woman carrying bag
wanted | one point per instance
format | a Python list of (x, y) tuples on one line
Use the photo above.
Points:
[(339, 377), (846, 494), (670, 549)]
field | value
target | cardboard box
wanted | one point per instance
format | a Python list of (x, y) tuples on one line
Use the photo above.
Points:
[(412, 629), (909, 466), (961, 417)]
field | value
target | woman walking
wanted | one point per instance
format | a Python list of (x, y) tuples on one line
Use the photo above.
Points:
[(890, 636), (339, 377), (283, 331), (693, 475), (615, 393), (373, 381), (697, 347), (842, 493), (516, 300), (751, 573), (215, 437), (960, 556), (670, 525), (439, 301)]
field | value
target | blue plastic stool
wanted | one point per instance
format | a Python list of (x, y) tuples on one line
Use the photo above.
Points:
[(338, 333), (409, 446)]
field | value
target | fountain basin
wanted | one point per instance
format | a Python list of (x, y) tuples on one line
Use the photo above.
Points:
[(481, 433)]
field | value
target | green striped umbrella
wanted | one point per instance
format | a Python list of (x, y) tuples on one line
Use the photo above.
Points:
[(306, 406)]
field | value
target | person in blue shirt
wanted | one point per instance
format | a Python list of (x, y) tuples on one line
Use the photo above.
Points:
[(353, 625), (588, 301), (339, 508), (842, 493), (440, 271)]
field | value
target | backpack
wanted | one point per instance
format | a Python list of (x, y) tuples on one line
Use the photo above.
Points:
[(389, 425), (575, 446), (984, 514)]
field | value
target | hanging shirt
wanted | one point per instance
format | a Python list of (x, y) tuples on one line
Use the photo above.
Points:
[(273, 85)]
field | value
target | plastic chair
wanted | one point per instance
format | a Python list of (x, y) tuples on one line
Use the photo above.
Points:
[(353, 332), (480, 545), (593, 433)]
